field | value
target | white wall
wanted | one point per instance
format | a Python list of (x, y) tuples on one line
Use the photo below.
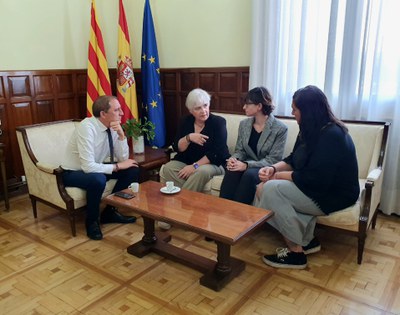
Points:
[(54, 34)]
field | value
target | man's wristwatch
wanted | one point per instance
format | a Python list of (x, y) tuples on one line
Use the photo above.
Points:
[(196, 166)]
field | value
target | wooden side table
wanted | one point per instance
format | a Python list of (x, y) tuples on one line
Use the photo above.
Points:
[(3, 175), (152, 159)]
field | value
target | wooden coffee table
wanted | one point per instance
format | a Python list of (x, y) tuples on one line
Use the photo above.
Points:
[(223, 220)]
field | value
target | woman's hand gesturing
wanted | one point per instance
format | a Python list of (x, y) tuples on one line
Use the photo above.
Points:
[(198, 138)]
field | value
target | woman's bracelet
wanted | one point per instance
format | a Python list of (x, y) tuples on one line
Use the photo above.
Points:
[(273, 168), (188, 138)]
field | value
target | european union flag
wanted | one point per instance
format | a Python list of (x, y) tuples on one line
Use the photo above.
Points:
[(153, 104)]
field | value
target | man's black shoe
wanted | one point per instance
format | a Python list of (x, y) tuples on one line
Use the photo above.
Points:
[(111, 215), (93, 231)]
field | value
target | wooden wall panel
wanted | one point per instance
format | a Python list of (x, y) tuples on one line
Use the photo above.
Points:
[(44, 111), (21, 115), (170, 81), (19, 86), (65, 85), (28, 97), (66, 109), (43, 86), (208, 82), (2, 92), (4, 133), (244, 84), (81, 82), (229, 82), (188, 81)]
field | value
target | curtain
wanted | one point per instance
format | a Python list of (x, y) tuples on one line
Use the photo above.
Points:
[(347, 48)]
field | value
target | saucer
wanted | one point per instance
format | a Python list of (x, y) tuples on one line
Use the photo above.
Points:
[(173, 191)]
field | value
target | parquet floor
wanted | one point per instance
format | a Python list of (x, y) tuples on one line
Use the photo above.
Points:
[(44, 270)]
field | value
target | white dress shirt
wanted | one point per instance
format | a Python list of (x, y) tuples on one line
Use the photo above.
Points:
[(88, 148)]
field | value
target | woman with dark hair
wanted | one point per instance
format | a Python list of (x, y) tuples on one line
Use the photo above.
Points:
[(319, 177), (261, 141)]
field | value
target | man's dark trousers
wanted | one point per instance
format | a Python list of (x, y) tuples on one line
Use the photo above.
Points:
[(95, 183)]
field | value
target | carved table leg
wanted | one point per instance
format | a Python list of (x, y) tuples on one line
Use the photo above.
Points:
[(143, 247), (225, 269), (149, 240), (149, 235), (223, 266)]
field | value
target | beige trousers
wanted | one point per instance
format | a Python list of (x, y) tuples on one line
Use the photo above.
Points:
[(196, 181)]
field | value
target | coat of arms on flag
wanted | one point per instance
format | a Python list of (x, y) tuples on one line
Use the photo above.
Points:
[(125, 73)]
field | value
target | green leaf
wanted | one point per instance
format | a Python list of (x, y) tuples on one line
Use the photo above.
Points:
[(135, 128)]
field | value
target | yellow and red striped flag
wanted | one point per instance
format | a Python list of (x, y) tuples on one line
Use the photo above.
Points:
[(98, 79), (126, 85)]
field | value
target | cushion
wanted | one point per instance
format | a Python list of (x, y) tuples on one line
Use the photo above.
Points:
[(79, 195)]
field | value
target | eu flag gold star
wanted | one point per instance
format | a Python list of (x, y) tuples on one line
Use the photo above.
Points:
[(153, 103), (144, 57), (152, 59)]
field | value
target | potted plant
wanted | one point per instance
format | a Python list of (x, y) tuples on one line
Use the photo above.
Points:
[(137, 130)]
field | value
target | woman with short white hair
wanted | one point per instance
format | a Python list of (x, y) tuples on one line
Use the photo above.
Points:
[(200, 144)]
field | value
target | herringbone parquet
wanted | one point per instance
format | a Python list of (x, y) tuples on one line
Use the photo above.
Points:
[(44, 270)]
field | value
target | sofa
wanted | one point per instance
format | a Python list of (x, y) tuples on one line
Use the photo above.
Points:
[(43, 148), (370, 139)]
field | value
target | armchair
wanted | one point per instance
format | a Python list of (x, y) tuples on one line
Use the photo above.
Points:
[(43, 148)]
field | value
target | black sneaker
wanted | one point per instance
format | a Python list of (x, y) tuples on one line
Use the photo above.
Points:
[(286, 259), (313, 247)]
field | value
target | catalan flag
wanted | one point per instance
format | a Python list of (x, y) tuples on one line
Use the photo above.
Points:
[(126, 85), (98, 79), (153, 104)]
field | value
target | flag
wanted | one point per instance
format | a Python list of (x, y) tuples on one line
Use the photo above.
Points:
[(126, 85), (152, 100), (98, 79)]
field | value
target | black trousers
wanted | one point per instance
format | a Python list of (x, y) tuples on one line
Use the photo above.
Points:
[(240, 186)]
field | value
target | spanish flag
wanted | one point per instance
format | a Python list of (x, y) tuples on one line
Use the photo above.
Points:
[(98, 79), (126, 85)]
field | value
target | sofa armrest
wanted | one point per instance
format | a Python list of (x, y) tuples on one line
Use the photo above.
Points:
[(48, 168), (374, 174), (371, 195)]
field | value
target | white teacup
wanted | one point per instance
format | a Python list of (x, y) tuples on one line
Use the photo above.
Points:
[(134, 187), (169, 186)]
